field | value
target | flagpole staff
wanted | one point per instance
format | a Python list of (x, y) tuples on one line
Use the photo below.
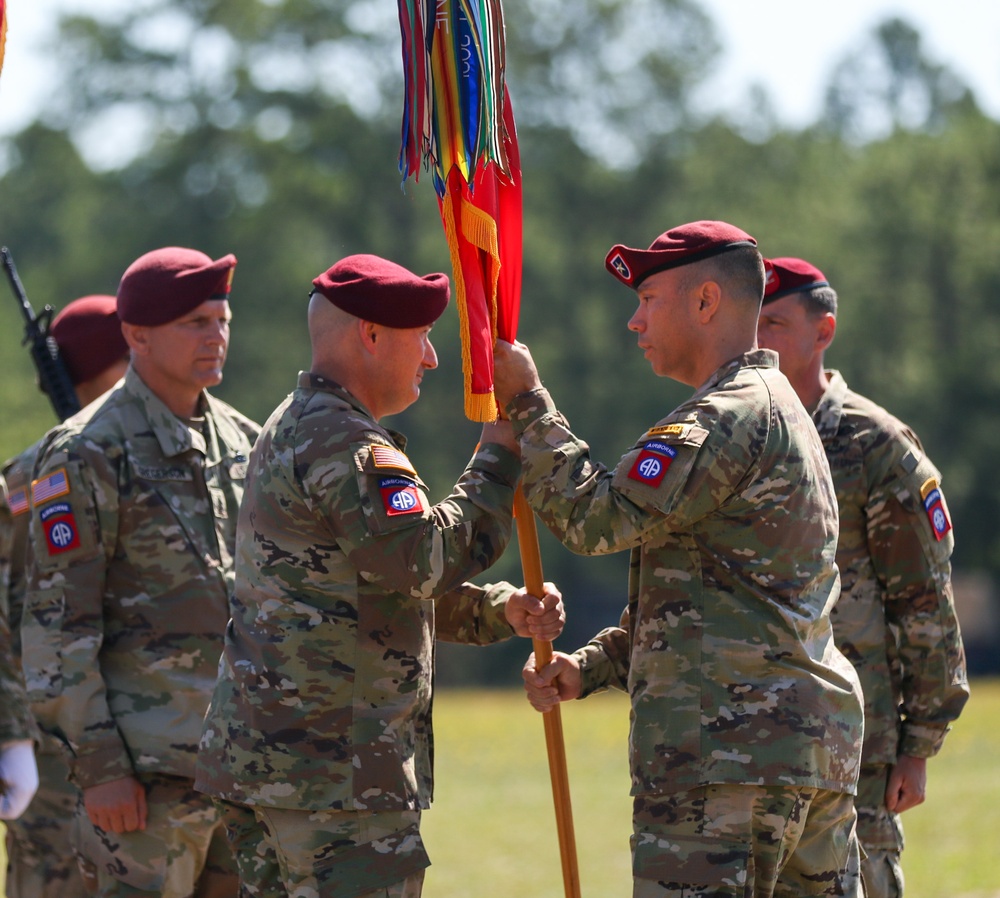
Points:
[(531, 564)]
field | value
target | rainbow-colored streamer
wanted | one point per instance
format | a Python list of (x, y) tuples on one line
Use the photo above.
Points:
[(459, 125), (453, 69)]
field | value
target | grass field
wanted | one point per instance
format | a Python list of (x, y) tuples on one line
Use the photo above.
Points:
[(491, 831)]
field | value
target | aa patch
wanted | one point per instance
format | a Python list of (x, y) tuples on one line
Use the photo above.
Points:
[(400, 496), (388, 457), (937, 514), (53, 486), (652, 464), (17, 501), (59, 525)]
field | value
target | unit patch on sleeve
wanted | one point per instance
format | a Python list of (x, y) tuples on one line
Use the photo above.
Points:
[(388, 457), (934, 505), (400, 496), (59, 525), (652, 463), (52, 486)]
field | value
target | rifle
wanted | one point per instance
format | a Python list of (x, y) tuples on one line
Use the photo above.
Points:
[(53, 377)]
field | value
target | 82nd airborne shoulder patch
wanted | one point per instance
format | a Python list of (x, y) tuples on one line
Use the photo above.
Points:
[(400, 496), (934, 505), (652, 463), (60, 528)]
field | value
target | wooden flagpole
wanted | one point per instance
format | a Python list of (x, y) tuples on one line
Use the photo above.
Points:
[(531, 564)]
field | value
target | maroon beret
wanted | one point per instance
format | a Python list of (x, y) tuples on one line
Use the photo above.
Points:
[(165, 284), (790, 275), (678, 246), (375, 289), (89, 335)]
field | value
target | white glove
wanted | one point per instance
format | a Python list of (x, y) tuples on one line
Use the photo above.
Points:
[(18, 778)]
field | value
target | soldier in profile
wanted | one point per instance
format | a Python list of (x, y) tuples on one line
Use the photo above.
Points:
[(318, 742), (746, 720)]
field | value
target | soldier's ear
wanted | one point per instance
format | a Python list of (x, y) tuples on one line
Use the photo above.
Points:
[(369, 335), (137, 337), (826, 327)]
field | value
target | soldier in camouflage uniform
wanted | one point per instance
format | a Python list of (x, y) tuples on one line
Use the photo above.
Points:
[(318, 740), (746, 720), (895, 619), (40, 858), (129, 567), (18, 769)]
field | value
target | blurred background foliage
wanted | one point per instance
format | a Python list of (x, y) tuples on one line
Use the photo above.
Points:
[(270, 129)]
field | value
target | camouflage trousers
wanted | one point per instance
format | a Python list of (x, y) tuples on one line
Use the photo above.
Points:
[(181, 853), (881, 835), (41, 862), (745, 842), (326, 854)]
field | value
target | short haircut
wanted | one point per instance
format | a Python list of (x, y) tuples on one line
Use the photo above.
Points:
[(740, 271), (820, 301)]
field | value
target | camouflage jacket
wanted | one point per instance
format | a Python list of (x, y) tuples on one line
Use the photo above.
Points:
[(15, 718), (726, 646), (133, 526), (17, 473), (895, 619), (344, 570)]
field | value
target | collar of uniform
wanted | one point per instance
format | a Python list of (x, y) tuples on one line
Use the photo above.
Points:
[(310, 381), (174, 435), (830, 408), (754, 358)]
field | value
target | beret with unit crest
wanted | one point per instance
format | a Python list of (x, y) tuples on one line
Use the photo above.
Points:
[(790, 275), (682, 245)]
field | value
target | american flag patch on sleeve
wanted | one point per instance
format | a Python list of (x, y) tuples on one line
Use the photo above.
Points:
[(387, 457), (54, 485), (17, 501)]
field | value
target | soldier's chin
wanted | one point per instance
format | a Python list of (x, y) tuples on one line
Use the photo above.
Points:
[(210, 378)]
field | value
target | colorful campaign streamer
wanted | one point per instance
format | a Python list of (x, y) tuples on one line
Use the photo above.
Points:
[(459, 125)]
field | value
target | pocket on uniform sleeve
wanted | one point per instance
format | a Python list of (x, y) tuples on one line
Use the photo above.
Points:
[(64, 523), (656, 469), (392, 495)]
